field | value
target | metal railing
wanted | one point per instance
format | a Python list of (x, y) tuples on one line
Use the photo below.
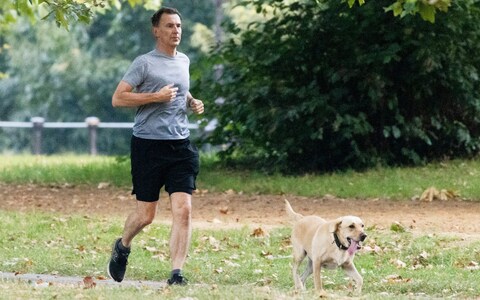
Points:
[(91, 123)]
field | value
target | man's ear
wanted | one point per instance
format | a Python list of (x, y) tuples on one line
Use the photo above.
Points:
[(155, 31), (333, 226)]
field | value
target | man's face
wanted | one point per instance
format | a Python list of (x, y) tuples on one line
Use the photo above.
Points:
[(168, 32)]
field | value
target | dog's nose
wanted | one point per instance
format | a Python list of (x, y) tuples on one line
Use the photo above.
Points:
[(363, 236)]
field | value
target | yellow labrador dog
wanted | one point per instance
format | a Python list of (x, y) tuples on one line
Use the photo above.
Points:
[(327, 244)]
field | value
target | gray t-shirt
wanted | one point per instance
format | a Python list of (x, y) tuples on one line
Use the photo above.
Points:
[(149, 73)]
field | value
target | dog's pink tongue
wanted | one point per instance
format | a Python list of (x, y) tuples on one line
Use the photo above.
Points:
[(353, 247)]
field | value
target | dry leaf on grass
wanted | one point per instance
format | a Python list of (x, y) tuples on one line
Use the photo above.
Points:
[(399, 264), (473, 265), (258, 232), (231, 263), (432, 193), (224, 210), (200, 192), (88, 282), (394, 278), (41, 283), (375, 249)]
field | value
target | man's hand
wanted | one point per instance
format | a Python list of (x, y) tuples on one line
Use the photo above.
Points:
[(196, 106), (168, 93)]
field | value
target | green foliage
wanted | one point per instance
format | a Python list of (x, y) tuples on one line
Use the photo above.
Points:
[(324, 87), (60, 76), (67, 76), (65, 13), (426, 9), (69, 12)]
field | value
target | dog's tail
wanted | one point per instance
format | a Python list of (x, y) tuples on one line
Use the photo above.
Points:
[(291, 213)]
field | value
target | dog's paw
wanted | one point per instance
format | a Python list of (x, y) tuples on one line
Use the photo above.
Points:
[(354, 290), (322, 294), (358, 290)]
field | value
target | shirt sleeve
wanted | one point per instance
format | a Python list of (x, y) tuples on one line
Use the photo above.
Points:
[(135, 74)]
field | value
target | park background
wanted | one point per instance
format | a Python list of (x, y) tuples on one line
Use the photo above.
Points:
[(289, 86), (342, 107)]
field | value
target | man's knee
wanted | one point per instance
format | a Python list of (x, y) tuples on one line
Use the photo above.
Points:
[(181, 206), (146, 212), (147, 219), (184, 209)]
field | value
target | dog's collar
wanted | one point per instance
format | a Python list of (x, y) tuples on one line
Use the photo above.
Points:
[(339, 244)]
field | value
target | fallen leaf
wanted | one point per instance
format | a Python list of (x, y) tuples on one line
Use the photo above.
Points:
[(231, 263), (432, 193), (399, 264), (473, 265), (394, 278), (266, 253), (103, 185), (151, 249), (41, 283), (375, 249), (429, 194), (214, 243), (224, 210), (258, 232), (88, 282), (230, 192), (200, 192), (216, 221)]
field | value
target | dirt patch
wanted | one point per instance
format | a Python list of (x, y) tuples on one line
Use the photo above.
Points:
[(232, 210)]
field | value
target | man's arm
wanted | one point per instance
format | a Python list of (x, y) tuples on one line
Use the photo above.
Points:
[(124, 97)]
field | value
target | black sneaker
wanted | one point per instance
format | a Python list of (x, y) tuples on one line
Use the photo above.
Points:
[(118, 262), (177, 279)]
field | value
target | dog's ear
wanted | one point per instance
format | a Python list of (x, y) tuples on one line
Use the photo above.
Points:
[(333, 226)]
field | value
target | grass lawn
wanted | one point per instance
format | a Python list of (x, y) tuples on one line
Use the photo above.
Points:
[(234, 263), (227, 264)]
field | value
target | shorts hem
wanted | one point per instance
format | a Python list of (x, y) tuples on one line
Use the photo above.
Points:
[(180, 190)]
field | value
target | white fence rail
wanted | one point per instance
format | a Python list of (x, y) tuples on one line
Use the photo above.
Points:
[(91, 123)]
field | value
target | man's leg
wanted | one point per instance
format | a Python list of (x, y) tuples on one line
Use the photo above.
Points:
[(181, 230), (142, 216)]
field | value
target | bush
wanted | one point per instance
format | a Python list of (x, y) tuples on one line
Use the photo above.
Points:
[(321, 87)]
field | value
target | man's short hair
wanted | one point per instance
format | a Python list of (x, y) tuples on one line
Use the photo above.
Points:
[(167, 10)]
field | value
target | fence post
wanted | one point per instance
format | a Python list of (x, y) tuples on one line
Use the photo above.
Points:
[(37, 134), (92, 123)]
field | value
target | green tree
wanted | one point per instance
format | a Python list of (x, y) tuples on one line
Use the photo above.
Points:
[(64, 12), (52, 76), (324, 87), (68, 12), (69, 75)]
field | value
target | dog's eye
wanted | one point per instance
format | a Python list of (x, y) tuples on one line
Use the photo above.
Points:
[(352, 226)]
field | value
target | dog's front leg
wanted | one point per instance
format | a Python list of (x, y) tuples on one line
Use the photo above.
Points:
[(317, 278), (353, 274)]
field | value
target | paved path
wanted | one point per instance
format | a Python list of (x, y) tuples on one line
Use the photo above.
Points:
[(44, 279)]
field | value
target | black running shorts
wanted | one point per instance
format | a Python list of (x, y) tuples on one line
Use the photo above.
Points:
[(157, 163)]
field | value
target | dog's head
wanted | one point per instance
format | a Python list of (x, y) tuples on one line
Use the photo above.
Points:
[(350, 231)]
